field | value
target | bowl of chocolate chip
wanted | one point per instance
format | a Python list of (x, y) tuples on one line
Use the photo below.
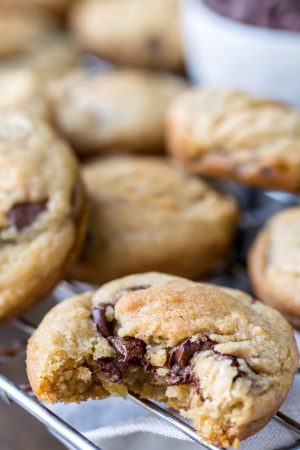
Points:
[(241, 44)]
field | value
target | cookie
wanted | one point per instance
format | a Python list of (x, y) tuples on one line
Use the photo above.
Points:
[(122, 108), (42, 211), (50, 57), (146, 214), (232, 135), (57, 7), (22, 90), (274, 264), (222, 359), (20, 28), (142, 33)]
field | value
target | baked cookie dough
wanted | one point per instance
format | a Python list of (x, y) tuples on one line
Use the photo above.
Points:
[(146, 214), (138, 32), (58, 7), (22, 90), (50, 57), (222, 359), (121, 108), (20, 28), (274, 264), (42, 211), (230, 134)]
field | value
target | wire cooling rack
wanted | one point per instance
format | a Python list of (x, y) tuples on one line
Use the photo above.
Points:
[(232, 275)]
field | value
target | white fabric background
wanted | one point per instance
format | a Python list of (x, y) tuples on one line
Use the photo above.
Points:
[(115, 424)]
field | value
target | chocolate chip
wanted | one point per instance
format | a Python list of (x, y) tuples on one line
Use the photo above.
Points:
[(110, 368), (181, 376), (99, 318), (154, 44), (181, 354), (23, 214), (129, 349)]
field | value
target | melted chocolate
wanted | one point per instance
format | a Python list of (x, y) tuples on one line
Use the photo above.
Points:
[(182, 353), (99, 312), (99, 318), (23, 214), (129, 349)]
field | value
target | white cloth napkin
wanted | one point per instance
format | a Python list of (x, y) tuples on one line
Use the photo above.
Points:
[(115, 424)]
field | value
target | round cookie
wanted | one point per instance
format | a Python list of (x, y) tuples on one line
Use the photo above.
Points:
[(274, 263), (20, 28), (146, 214), (52, 56), (230, 134), (21, 89), (42, 211), (58, 7), (140, 33), (222, 359), (122, 108)]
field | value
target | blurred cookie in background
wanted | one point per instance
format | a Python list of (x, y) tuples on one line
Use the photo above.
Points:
[(42, 211), (22, 90), (20, 29), (147, 214), (136, 32), (57, 7), (121, 108), (274, 264), (229, 134), (51, 56)]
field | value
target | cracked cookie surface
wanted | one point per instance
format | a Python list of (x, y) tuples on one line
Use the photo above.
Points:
[(142, 34), (229, 134), (119, 110), (146, 214), (274, 263), (42, 211), (222, 359)]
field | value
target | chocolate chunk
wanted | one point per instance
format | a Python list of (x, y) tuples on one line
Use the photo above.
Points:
[(178, 375), (99, 318), (111, 369), (23, 214), (182, 353), (129, 349), (154, 44)]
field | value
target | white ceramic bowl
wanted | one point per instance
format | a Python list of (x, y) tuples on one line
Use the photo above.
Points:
[(223, 52)]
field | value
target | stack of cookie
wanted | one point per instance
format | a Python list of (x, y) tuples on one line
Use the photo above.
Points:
[(107, 173)]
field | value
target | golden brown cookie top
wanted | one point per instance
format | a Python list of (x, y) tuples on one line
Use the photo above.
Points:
[(122, 108), (163, 309)]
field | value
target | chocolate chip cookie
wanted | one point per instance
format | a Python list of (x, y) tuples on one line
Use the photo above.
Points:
[(222, 359), (22, 89), (146, 214), (20, 28), (52, 56), (121, 109), (42, 211), (230, 134), (140, 33), (57, 7), (274, 264)]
